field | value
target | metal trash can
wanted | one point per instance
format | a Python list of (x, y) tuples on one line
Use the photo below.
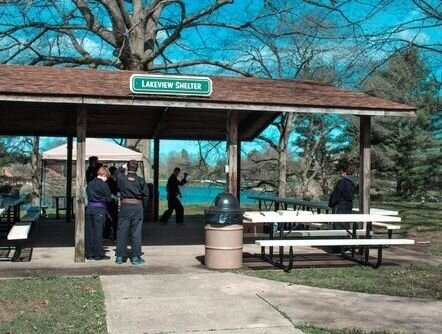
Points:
[(224, 233)]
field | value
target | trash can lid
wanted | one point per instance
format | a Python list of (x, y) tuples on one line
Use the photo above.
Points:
[(225, 203)]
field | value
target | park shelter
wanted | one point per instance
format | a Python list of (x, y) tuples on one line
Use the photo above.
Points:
[(68, 102)]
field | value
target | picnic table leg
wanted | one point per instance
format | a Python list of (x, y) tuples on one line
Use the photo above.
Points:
[(368, 236), (379, 260), (353, 248), (390, 234), (290, 265), (281, 255), (57, 213), (271, 238)]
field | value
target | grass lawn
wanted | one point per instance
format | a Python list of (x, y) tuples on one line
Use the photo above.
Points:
[(422, 281), (312, 329), (52, 305), (420, 221)]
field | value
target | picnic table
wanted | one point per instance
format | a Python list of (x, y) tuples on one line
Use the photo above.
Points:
[(15, 229), (11, 211), (60, 205), (276, 203), (351, 238)]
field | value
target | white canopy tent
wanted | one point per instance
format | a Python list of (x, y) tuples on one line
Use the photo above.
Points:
[(104, 150), (107, 152)]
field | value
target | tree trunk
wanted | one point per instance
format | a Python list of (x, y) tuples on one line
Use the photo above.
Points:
[(285, 130), (35, 195), (143, 146)]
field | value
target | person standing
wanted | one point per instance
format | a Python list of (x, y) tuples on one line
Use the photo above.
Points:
[(110, 230), (173, 202), (341, 199), (91, 171), (130, 219), (98, 195)]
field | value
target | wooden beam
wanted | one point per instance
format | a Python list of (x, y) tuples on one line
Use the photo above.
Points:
[(130, 102), (156, 176), (80, 180), (232, 148), (365, 164), (238, 169), (69, 179)]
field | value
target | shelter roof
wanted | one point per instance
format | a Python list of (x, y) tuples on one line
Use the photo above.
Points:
[(43, 100), (104, 150)]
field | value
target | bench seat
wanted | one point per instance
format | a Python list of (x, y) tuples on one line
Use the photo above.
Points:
[(19, 233), (32, 214), (389, 227), (281, 243), (16, 236), (323, 233)]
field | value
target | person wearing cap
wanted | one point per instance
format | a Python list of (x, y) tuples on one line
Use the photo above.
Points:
[(173, 202), (133, 189), (98, 195)]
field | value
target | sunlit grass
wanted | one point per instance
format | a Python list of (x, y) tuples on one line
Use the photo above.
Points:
[(52, 305)]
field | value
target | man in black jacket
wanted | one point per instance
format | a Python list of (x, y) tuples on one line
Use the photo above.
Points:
[(341, 199), (133, 189), (173, 202)]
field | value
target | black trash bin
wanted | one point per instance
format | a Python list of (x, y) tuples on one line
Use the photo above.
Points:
[(224, 233)]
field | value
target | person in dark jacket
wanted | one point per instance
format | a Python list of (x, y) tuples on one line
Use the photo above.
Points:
[(133, 189), (173, 202), (110, 230), (91, 171), (98, 195), (341, 199)]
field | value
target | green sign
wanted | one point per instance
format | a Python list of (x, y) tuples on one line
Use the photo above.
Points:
[(170, 85)]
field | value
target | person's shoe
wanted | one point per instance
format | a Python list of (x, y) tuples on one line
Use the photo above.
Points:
[(181, 224), (102, 257), (89, 258), (137, 260), (120, 260)]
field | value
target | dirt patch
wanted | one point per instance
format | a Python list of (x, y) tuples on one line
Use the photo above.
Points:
[(424, 240), (11, 309)]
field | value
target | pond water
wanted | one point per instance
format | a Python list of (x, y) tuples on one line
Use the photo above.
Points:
[(204, 194)]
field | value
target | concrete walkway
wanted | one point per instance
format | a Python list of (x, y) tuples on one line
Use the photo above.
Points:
[(214, 302), (175, 293)]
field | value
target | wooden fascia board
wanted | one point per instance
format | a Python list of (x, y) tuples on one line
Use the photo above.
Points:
[(207, 105)]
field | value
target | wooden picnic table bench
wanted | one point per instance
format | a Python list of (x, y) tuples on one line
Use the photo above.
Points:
[(291, 243), (358, 237), (19, 233), (389, 227), (284, 203)]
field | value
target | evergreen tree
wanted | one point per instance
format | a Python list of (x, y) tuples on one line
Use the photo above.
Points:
[(405, 149)]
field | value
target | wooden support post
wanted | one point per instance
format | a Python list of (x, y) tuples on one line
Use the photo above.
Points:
[(156, 175), (232, 140), (80, 180), (69, 180), (238, 172), (365, 164)]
